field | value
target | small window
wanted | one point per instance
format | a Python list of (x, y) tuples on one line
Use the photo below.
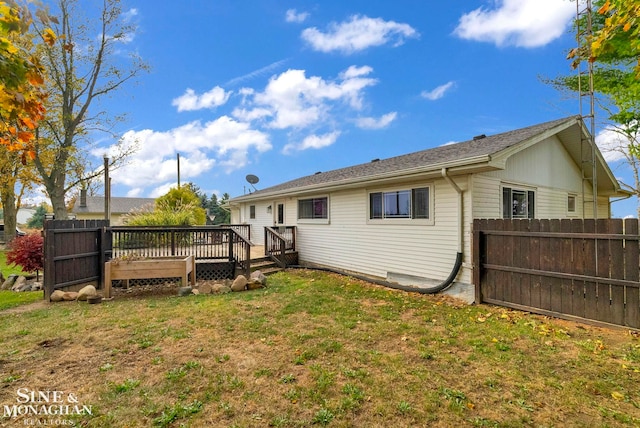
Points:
[(408, 204), (518, 203), (252, 212), (314, 208), (571, 204)]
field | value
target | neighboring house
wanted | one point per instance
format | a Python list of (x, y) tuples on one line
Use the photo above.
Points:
[(24, 215), (92, 207), (407, 218)]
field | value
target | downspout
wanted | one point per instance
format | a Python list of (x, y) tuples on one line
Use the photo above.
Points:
[(430, 290)]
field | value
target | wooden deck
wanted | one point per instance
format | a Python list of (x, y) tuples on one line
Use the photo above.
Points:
[(257, 251)]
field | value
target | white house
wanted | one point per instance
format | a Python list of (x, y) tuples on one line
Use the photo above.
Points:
[(407, 219)]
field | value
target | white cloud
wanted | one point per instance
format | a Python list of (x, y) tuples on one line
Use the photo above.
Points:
[(376, 123), (313, 142), (292, 100), (521, 23), (613, 144), (223, 142), (190, 101), (438, 92), (292, 15), (357, 34)]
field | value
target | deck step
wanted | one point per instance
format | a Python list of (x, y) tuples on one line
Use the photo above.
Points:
[(265, 265)]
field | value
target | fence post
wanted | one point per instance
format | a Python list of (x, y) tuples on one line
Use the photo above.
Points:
[(476, 262)]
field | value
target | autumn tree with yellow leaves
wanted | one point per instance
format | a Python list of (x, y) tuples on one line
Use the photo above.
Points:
[(22, 104), (21, 79)]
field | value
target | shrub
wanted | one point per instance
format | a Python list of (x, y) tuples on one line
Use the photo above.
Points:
[(27, 252)]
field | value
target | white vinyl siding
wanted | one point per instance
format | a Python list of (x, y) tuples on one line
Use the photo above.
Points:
[(351, 243), (546, 168)]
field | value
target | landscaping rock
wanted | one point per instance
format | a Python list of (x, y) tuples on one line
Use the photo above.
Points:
[(87, 292), (195, 291), (26, 287), (36, 286), (205, 288), (8, 283), (254, 284), (57, 296), (239, 284), (258, 276), (220, 289), (69, 296), (185, 291), (19, 283)]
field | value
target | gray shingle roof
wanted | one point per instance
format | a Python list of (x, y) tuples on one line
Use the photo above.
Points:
[(95, 204), (435, 156)]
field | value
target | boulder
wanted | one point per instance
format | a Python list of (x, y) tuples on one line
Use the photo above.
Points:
[(27, 286), (87, 292), (239, 284), (8, 283), (36, 286), (185, 291), (254, 284), (258, 276), (195, 291), (69, 296), (220, 289), (57, 296), (205, 288), (19, 283)]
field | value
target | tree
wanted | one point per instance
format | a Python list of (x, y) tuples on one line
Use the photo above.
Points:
[(179, 207), (37, 219), (614, 52), (21, 78), (620, 35), (223, 216), (84, 65), (27, 252)]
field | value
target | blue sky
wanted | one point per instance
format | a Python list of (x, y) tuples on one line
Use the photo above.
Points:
[(282, 89)]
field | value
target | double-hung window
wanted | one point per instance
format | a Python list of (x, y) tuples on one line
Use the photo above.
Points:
[(400, 204), (518, 203)]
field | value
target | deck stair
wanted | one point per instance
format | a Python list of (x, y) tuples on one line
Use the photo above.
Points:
[(265, 265)]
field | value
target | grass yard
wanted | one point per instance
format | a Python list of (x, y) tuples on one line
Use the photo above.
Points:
[(8, 269), (10, 299), (316, 349)]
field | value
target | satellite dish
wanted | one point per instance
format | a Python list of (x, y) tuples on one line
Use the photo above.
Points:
[(252, 179)]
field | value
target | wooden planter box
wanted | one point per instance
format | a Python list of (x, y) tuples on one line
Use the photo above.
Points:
[(157, 267)]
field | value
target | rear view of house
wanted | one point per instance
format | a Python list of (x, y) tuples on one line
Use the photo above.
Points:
[(407, 219)]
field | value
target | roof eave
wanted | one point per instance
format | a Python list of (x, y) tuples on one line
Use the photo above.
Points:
[(457, 167)]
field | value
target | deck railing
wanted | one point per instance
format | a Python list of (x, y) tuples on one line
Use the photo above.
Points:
[(208, 243), (278, 241)]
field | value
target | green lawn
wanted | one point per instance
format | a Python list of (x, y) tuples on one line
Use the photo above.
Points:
[(10, 299), (7, 269), (317, 349)]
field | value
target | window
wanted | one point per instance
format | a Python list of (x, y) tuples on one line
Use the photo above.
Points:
[(407, 204), (571, 204), (252, 211), (314, 208), (518, 203)]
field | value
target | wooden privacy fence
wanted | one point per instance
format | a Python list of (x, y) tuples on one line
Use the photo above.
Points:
[(576, 269), (74, 253)]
